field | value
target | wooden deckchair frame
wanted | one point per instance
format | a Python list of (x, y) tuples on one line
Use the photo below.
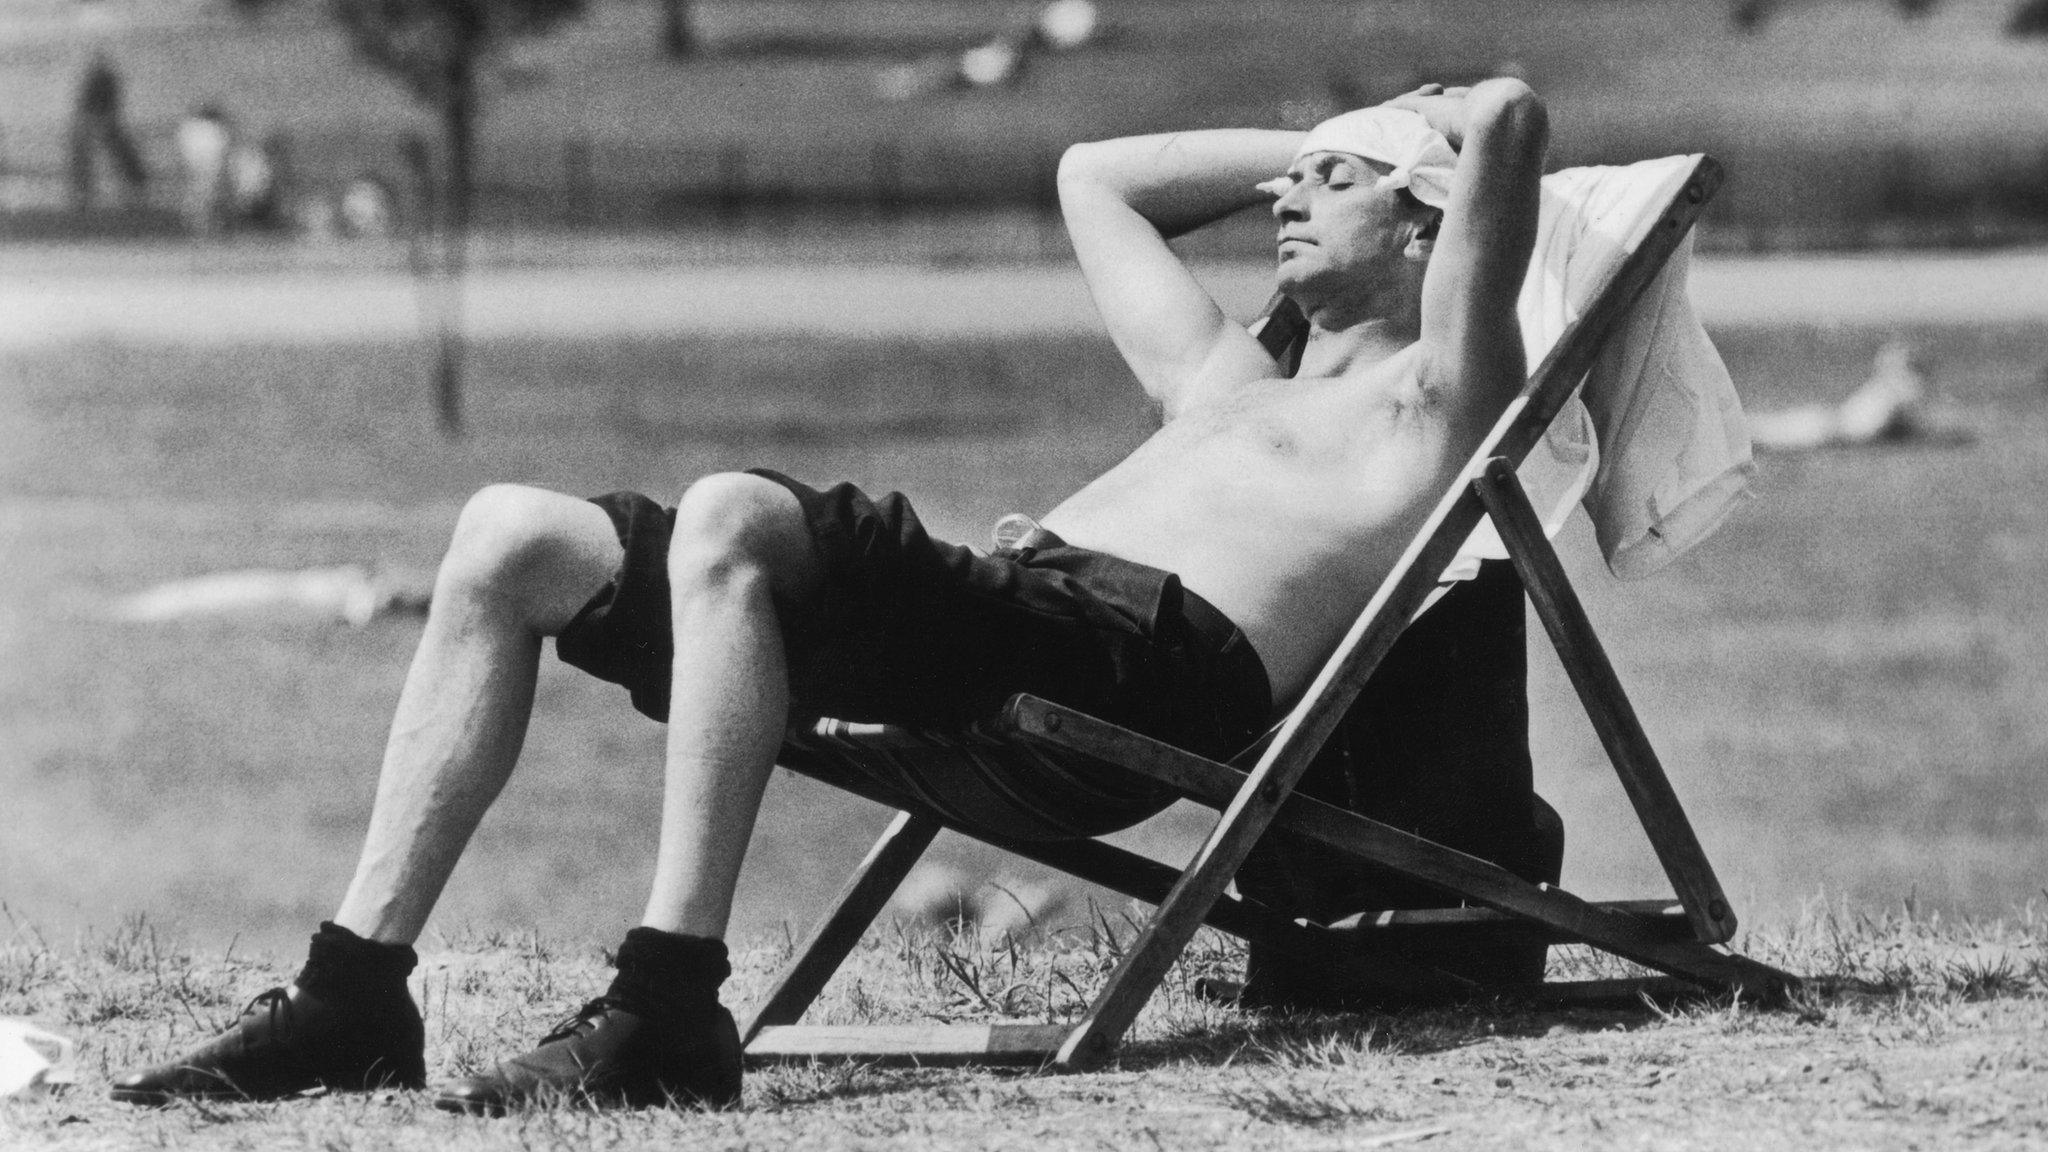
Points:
[(1677, 937)]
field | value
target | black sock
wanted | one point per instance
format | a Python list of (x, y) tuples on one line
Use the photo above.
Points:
[(666, 972), (339, 961)]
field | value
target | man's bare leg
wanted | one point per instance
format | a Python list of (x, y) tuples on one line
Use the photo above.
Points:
[(659, 1034), (522, 563), (740, 545)]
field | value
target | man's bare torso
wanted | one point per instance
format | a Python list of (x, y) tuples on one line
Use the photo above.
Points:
[(1283, 502)]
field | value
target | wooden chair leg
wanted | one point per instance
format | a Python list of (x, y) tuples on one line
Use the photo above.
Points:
[(1606, 703), (866, 893)]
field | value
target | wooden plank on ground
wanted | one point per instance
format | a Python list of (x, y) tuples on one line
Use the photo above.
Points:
[(920, 1044)]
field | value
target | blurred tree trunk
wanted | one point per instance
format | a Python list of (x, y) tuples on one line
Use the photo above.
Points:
[(438, 50), (458, 131), (677, 40)]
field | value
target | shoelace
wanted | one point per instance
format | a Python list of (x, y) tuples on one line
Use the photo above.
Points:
[(277, 1001), (585, 1018)]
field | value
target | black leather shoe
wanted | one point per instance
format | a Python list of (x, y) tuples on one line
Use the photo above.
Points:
[(611, 1057), (288, 1041)]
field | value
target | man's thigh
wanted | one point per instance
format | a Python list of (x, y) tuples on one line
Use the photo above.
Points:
[(899, 628)]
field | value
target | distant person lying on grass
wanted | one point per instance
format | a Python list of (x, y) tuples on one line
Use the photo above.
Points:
[(1898, 404), (1182, 593)]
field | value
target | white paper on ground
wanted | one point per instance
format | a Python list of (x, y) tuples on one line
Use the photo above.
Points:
[(33, 1059)]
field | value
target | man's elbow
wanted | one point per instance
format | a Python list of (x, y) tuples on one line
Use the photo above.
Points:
[(1080, 164), (1510, 111)]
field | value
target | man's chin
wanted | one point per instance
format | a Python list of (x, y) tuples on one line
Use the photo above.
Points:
[(1291, 273)]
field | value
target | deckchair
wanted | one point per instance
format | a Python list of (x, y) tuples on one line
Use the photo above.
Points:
[(1679, 937)]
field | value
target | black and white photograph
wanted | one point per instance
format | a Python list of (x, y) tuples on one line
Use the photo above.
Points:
[(1023, 574)]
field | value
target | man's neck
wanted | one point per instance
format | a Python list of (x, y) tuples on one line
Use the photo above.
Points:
[(1369, 320), (1355, 347)]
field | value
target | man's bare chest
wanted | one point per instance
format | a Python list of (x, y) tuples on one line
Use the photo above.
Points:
[(1331, 420)]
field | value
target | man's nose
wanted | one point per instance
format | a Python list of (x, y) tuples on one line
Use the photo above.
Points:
[(1288, 205)]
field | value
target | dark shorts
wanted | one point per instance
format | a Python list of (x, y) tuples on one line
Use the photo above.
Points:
[(912, 631)]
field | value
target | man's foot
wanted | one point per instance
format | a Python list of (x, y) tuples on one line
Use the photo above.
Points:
[(610, 1056), (288, 1041)]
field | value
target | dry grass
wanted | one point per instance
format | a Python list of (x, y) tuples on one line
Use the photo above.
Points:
[(1916, 1031)]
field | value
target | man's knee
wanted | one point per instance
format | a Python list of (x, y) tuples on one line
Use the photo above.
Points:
[(510, 536), (730, 523)]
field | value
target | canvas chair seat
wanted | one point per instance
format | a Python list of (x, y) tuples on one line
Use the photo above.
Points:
[(980, 778)]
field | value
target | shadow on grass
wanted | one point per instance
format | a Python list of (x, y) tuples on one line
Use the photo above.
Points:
[(1363, 1042), (1340, 1039)]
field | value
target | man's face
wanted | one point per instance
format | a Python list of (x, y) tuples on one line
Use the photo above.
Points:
[(1337, 227)]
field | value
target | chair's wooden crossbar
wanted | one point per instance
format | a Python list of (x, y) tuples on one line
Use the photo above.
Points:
[(1665, 918), (1400, 595), (1630, 936), (1606, 703)]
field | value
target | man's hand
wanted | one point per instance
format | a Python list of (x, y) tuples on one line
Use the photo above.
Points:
[(1443, 107)]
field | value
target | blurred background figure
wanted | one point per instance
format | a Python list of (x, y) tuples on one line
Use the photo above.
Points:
[(353, 593), (1067, 24), (97, 127), (205, 140), (1897, 404), (1000, 61), (369, 209), (257, 181)]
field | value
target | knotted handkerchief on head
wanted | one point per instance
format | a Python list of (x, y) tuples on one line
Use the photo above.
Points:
[(1422, 159)]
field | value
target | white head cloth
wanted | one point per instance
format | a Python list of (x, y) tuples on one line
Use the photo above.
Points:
[(1421, 157)]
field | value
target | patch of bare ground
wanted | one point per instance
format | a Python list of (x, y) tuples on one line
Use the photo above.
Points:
[(1912, 1032)]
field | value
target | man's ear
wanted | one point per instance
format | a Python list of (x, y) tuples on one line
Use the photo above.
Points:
[(1422, 241)]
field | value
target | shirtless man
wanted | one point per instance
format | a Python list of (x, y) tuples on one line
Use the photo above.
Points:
[(1182, 592)]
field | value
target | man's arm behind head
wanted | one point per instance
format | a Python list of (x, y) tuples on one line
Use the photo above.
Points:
[(1471, 339), (1122, 199)]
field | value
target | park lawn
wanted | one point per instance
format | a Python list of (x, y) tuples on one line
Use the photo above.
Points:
[(1848, 685)]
